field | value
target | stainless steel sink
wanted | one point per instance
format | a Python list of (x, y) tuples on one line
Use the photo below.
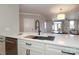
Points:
[(41, 37)]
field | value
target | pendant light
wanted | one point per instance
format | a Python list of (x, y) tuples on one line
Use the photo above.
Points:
[(60, 16)]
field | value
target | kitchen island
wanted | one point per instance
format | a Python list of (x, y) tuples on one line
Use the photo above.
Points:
[(65, 43), (61, 45)]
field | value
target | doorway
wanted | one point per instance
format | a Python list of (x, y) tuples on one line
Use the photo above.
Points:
[(57, 27)]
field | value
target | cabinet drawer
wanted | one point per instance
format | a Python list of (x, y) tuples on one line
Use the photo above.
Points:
[(23, 43), (31, 43), (38, 45)]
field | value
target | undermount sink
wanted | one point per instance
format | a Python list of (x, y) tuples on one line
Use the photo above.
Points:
[(41, 37)]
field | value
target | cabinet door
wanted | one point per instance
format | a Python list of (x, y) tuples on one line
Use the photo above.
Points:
[(2, 45), (53, 52), (2, 48), (77, 51), (33, 52), (26, 47), (37, 48), (59, 50), (23, 47)]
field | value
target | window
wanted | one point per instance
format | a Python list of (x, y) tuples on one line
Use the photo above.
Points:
[(71, 24)]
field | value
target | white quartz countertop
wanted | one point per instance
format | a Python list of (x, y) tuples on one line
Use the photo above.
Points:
[(60, 39)]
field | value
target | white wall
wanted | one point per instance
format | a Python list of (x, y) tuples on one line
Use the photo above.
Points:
[(42, 19), (29, 25), (9, 19), (29, 22), (49, 25)]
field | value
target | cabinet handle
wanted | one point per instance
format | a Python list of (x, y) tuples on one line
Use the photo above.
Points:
[(68, 53), (28, 52), (28, 44)]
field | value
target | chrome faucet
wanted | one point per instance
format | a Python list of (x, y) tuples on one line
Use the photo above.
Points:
[(37, 26)]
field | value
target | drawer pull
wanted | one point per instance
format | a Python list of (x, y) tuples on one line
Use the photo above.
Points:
[(28, 44), (68, 53)]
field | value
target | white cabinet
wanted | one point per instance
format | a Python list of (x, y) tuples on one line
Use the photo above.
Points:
[(2, 45), (53, 52), (52, 49), (21, 47), (26, 47), (77, 51), (37, 48)]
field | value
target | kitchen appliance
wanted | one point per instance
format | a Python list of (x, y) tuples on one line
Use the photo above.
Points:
[(11, 46)]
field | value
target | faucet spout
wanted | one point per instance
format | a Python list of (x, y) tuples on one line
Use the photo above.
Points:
[(37, 26)]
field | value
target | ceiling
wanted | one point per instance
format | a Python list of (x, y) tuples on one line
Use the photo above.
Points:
[(48, 9)]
